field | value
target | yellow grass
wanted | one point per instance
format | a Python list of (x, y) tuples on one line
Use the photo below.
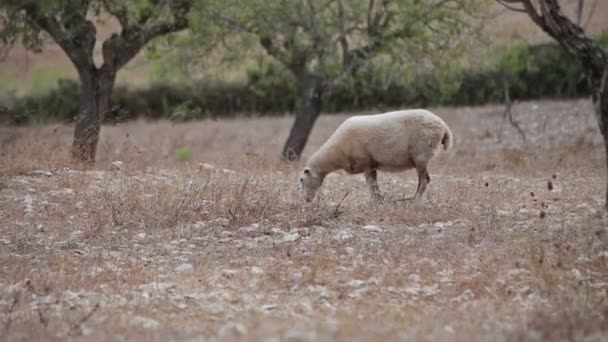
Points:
[(221, 247)]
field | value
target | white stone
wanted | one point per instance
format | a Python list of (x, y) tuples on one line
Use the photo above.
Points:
[(232, 328), (291, 237), (372, 228), (94, 270), (185, 268), (356, 283), (256, 270), (117, 164), (145, 322), (41, 173), (159, 286), (343, 235)]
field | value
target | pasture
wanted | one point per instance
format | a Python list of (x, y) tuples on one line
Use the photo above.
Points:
[(194, 231)]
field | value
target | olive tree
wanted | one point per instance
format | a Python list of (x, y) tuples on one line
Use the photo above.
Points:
[(70, 24), (547, 15), (324, 42)]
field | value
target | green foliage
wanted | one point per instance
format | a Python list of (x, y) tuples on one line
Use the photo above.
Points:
[(332, 39), (58, 104), (183, 154), (543, 71)]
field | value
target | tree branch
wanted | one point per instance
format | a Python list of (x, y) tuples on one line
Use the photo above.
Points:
[(118, 50), (343, 39), (120, 12), (506, 4), (77, 44)]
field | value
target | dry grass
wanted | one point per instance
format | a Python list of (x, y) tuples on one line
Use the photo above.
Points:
[(221, 247)]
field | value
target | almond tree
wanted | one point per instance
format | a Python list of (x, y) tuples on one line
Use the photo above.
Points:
[(547, 15), (323, 42), (70, 25)]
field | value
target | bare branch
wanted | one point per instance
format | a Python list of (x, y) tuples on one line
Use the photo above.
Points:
[(507, 4), (591, 12)]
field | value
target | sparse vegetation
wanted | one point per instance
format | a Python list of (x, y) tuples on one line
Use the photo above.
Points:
[(222, 247), (189, 227)]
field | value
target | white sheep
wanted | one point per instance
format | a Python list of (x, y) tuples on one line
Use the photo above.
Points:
[(392, 142)]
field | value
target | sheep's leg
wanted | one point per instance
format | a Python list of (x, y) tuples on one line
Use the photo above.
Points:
[(423, 179), (371, 178)]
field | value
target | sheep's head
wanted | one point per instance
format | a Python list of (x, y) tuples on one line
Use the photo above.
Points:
[(309, 183)]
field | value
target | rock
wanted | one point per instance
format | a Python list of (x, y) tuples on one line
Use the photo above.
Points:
[(276, 231), (268, 307), (185, 268), (356, 283), (372, 228), (65, 191), (414, 278), (156, 286), (230, 273), (223, 222), (237, 329), (256, 270), (145, 322), (343, 235), (41, 173), (291, 237), (94, 270), (250, 229), (117, 164)]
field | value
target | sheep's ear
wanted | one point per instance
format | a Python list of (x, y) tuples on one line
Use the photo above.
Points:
[(307, 171)]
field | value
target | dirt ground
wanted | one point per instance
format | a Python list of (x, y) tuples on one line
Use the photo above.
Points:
[(509, 244)]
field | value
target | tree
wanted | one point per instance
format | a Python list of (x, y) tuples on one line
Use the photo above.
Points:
[(68, 23), (324, 42), (548, 15)]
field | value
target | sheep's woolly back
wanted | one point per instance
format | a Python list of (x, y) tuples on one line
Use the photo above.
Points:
[(394, 141)]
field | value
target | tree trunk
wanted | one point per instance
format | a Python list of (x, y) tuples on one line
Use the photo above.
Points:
[(600, 100), (308, 109), (95, 92)]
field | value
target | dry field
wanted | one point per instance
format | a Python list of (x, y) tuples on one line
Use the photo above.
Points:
[(510, 243)]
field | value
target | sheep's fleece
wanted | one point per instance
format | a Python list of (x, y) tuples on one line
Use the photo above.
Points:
[(394, 141)]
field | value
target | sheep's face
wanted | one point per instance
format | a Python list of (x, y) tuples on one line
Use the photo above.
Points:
[(309, 183)]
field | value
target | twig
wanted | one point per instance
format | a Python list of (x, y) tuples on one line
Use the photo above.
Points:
[(404, 199), (75, 327), (42, 315), (232, 215), (591, 12), (511, 7), (508, 114), (336, 213), (11, 309)]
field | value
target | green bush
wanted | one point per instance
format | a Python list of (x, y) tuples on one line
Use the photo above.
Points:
[(183, 154), (541, 71)]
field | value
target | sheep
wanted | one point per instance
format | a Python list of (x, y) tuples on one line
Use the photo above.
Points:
[(389, 142)]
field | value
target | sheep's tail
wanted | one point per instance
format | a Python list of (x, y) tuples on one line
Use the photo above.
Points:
[(446, 141)]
